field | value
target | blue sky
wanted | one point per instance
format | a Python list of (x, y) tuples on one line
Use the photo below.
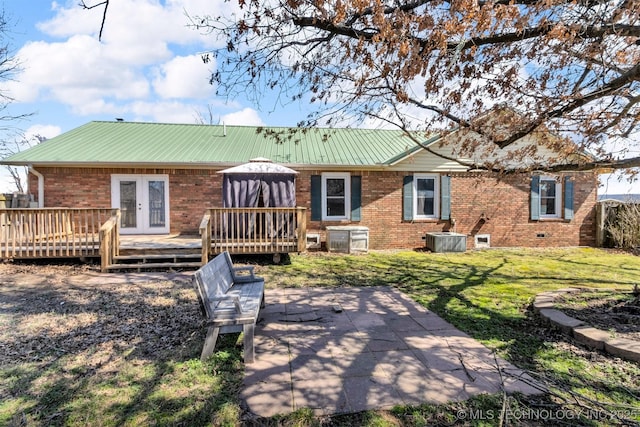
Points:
[(146, 68)]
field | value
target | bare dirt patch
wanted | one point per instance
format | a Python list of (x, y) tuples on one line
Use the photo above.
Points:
[(48, 311), (615, 311), (78, 347)]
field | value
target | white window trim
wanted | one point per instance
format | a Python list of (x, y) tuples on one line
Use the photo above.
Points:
[(436, 196), (142, 227), (347, 195), (559, 197)]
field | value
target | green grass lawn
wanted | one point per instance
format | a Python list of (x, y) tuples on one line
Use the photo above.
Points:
[(485, 293), (488, 295)]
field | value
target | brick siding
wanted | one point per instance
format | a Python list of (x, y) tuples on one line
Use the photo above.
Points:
[(479, 205), (190, 191)]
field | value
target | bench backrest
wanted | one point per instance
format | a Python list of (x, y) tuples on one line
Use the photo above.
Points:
[(213, 279)]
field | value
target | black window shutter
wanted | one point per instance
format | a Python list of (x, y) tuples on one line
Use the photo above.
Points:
[(407, 199), (316, 198), (356, 198)]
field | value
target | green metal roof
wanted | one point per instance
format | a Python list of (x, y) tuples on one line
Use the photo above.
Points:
[(126, 143)]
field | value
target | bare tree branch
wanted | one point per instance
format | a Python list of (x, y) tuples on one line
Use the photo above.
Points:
[(9, 122), (104, 3), (570, 69), (605, 165), (604, 90)]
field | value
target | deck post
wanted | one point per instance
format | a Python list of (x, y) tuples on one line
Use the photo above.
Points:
[(205, 234), (109, 241), (105, 249), (301, 221)]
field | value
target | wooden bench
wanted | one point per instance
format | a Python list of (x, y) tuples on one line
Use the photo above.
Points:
[(230, 298)]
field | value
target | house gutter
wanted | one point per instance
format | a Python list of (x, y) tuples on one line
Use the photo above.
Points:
[(40, 185)]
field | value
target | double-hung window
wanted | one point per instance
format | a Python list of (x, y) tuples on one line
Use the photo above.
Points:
[(336, 196), (426, 196), (551, 198)]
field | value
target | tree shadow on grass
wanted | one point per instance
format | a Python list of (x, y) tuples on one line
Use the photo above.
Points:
[(443, 284), (132, 351), (470, 297), (110, 354)]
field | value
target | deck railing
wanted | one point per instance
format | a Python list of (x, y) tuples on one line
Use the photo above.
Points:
[(110, 240), (205, 234), (253, 230), (51, 232)]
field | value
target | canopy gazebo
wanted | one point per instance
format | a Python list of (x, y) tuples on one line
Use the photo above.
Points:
[(259, 214), (259, 183)]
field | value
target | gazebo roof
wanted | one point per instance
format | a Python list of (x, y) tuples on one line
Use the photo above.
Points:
[(260, 165)]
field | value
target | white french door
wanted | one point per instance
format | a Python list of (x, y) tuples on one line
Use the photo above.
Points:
[(143, 201)]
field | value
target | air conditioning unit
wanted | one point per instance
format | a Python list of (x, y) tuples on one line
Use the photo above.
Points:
[(348, 239), (446, 241)]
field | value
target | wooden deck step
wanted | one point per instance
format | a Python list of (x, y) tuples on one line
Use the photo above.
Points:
[(156, 257), (156, 266), (183, 260)]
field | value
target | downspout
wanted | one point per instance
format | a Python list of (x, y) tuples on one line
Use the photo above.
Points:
[(40, 185)]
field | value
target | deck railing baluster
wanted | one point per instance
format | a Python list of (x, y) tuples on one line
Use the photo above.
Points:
[(256, 230), (50, 232), (73, 232)]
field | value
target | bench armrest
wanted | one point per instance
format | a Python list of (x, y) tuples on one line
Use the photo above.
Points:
[(235, 299)]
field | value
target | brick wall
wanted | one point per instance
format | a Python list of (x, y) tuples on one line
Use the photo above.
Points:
[(479, 205), (190, 191), (501, 208)]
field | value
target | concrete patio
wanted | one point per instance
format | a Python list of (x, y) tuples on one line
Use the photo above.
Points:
[(352, 349)]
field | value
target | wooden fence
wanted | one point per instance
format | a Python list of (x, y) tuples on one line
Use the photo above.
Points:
[(253, 231), (51, 232)]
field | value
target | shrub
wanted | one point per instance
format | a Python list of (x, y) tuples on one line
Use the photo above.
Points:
[(622, 225)]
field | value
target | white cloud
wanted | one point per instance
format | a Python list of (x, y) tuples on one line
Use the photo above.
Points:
[(47, 131), (145, 27), (96, 106), (114, 76), (147, 67), (74, 72), (163, 112), (71, 20), (246, 117), (183, 77)]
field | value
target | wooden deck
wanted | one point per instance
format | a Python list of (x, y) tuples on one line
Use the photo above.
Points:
[(51, 232), (94, 233), (159, 242)]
